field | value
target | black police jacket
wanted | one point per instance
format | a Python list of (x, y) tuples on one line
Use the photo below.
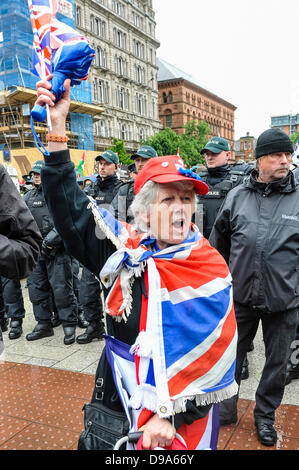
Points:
[(220, 181), (75, 223), (257, 233), (122, 202), (104, 190), (36, 203), (20, 239)]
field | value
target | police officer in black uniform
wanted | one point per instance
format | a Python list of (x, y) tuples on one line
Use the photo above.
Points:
[(13, 304), (53, 272), (220, 177), (124, 198), (103, 191)]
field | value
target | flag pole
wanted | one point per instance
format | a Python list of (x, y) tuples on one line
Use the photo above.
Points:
[(43, 67)]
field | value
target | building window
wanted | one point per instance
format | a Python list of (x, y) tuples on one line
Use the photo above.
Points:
[(124, 131), (120, 66), (101, 57), (119, 38), (170, 97), (168, 119), (139, 74), (140, 104), (151, 56), (122, 98), (164, 97), (119, 8), (78, 16), (138, 49), (153, 109), (103, 91), (103, 128), (99, 27), (91, 23)]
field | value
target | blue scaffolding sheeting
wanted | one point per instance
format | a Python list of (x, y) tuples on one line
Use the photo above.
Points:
[(81, 125)]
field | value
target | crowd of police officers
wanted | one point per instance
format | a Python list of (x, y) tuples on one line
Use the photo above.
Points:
[(58, 293)]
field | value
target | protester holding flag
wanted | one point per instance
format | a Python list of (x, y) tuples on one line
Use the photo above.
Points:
[(170, 296)]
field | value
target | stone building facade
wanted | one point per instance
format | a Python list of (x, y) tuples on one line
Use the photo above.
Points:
[(182, 99), (124, 72)]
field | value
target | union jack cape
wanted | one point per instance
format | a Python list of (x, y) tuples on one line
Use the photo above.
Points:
[(186, 346)]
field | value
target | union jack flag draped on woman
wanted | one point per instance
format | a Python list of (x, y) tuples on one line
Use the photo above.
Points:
[(58, 49), (186, 346)]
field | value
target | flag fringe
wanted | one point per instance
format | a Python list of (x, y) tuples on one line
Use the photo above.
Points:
[(145, 396)]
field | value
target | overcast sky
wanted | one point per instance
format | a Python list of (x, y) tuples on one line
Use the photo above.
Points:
[(244, 51)]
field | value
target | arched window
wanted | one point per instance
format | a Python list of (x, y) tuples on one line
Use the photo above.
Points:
[(164, 97), (91, 23), (141, 134), (168, 118), (170, 97), (78, 16)]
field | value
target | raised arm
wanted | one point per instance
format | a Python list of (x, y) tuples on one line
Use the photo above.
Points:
[(66, 201)]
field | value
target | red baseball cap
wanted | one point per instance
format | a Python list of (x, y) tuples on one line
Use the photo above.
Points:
[(168, 169)]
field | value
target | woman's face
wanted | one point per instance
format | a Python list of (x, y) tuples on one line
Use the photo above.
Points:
[(171, 213)]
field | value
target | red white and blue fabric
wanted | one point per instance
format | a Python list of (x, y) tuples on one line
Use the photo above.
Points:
[(58, 49), (200, 435), (186, 347)]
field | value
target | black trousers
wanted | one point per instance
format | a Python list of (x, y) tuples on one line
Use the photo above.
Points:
[(12, 295), (90, 296), (53, 275), (279, 330)]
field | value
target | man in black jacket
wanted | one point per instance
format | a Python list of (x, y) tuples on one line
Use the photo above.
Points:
[(221, 178), (90, 294), (20, 239), (53, 272), (257, 232)]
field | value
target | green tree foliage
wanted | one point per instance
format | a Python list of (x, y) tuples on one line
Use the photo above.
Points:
[(294, 137), (190, 143), (119, 148), (165, 142)]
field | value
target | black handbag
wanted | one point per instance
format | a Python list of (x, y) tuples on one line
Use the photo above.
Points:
[(103, 427)]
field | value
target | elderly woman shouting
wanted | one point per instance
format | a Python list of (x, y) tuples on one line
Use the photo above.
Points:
[(169, 306)]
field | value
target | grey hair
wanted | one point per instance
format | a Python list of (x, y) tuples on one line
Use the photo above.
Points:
[(140, 206)]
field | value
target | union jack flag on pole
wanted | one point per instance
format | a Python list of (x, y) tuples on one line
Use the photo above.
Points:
[(58, 49)]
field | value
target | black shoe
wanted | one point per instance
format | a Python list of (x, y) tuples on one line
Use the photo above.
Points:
[(55, 321), (292, 372), (69, 334), (266, 433), (3, 324), (15, 328), (94, 330), (245, 370), (82, 323), (41, 330)]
